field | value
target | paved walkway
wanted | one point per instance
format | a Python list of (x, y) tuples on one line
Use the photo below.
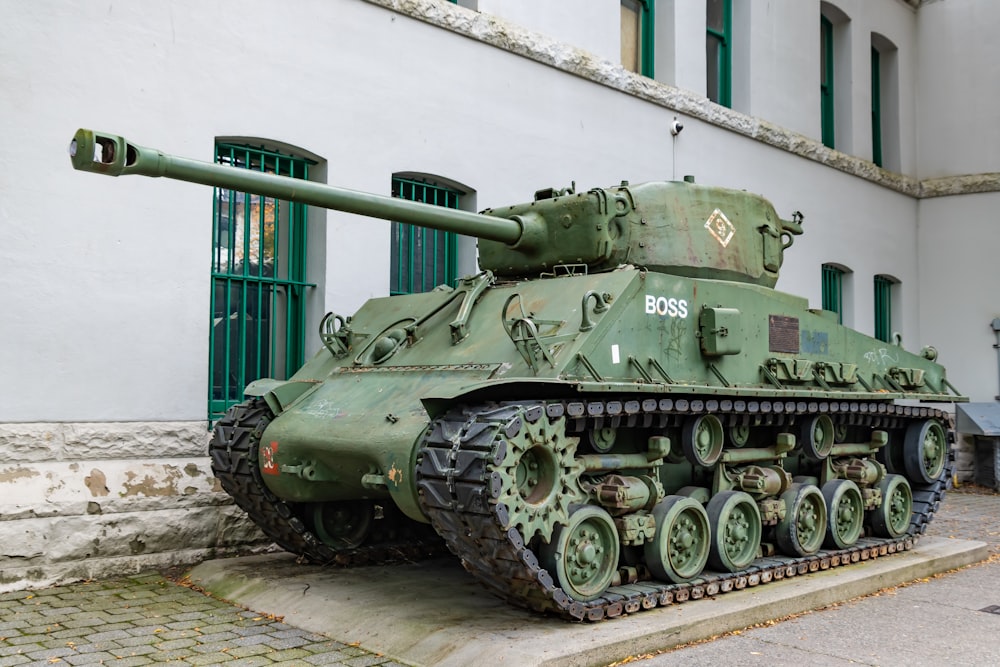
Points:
[(949, 619), (148, 619)]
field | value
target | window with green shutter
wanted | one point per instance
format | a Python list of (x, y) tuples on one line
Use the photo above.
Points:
[(258, 280), (883, 308), (826, 79), (422, 258), (637, 36), (718, 51), (833, 290), (876, 108)]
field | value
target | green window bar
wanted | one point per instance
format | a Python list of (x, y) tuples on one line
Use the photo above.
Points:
[(826, 79), (876, 108), (637, 36), (421, 258), (719, 24), (883, 308), (833, 291), (258, 280)]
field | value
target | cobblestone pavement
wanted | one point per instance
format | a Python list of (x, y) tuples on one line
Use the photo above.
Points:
[(146, 620), (149, 619), (969, 513)]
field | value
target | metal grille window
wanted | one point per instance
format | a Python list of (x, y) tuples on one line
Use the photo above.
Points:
[(883, 308), (637, 36), (422, 258), (833, 290), (718, 52), (826, 79), (258, 280)]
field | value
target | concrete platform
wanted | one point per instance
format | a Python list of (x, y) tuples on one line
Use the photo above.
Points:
[(434, 613)]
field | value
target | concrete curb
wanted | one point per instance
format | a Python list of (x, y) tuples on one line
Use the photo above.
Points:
[(434, 613)]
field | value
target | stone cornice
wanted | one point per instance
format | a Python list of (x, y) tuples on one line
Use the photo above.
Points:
[(496, 32)]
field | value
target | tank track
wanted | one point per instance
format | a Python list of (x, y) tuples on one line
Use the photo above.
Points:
[(233, 450), (459, 497)]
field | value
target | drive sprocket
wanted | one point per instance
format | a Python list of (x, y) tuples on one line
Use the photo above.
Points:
[(536, 472)]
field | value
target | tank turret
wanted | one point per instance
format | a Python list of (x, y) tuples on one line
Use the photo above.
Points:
[(631, 417), (674, 227)]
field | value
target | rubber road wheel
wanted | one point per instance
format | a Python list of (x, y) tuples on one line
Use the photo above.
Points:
[(803, 529), (583, 554), (735, 522), (845, 509), (678, 551)]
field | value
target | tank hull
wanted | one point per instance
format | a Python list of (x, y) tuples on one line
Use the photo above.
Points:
[(640, 395)]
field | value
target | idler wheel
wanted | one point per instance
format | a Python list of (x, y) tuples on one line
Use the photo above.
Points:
[(701, 440), (817, 437), (802, 530), (678, 551), (343, 524), (583, 553), (892, 517), (735, 522), (925, 451), (845, 510)]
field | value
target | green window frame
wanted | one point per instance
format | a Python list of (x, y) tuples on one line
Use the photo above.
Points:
[(833, 290), (719, 22), (421, 258), (637, 36), (826, 80), (883, 308), (258, 295), (876, 108)]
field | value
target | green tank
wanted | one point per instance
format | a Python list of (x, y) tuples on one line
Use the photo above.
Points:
[(618, 412)]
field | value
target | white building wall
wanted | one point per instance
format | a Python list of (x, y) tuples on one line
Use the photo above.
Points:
[(776, 63), (959, 71), (592, 26), (959, 241), (104, 284)]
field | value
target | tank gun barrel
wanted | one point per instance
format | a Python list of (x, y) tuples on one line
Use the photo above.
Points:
[(113, 155)]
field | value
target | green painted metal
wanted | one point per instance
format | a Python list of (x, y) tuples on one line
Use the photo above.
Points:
[(592, 304)]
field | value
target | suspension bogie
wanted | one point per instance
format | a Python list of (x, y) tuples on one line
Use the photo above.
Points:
[(687, 492)]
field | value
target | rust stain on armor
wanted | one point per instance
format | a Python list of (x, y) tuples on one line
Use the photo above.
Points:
[(10, 475)]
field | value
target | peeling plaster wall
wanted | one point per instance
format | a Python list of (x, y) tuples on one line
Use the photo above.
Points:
[(79, 501)]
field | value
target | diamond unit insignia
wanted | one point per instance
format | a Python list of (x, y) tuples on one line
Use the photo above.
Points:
[(719, 226)]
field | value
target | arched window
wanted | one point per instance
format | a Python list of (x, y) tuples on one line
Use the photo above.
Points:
[(258, 279), (718, 49), (885, 102), (835, 77), (422, 258), (886, 288), (637, 36)]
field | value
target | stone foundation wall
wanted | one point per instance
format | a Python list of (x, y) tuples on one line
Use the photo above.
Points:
[(92, 500), (965, 459)]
